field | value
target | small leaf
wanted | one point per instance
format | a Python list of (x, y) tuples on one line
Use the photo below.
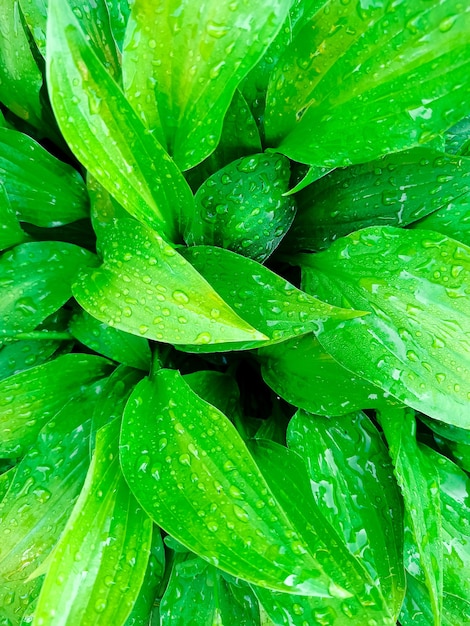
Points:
[(312, 174), (457, 138), (31, 398), (414, 343), (35, 16), (184, 103), (119, 11), (452, 220), (242, 207), (146, 288), (11, 232), (220, 390)]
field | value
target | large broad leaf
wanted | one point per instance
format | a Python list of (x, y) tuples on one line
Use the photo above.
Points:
[(242, 207), (109, 535), (191, 471), (105, 133), (111, 342), (419, 482), (415, 344), (36, 281), (42, 190), (31, 398), (198, 594), (146, 288), (393, 191), (452, 220), (264, 299), (303, 373), (182, 63), (363, 79), (11, 232)]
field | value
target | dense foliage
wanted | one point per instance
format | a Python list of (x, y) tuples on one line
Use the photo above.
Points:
[(235, 312)]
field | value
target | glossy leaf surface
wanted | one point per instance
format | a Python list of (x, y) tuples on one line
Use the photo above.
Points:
[(147, 288), (363, 79), (452, 220), (182, 63), (36, 280), (414, 343), (303, 373), (105, 134), (242, 207), (42, 190), (393, 191), (217, 505), (111, 342), (110, 536), (35, 16), (119, 11), (11, 232)]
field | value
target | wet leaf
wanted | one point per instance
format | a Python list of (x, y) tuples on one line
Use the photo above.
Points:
[(105, 134), (110, 537), (363, 79), (36, 281), (457, 138), (242, 207), (452, 220), (111, 342), (35, 16), (220, 390), (31, 398), (415, 342), (264, 299), (216, 44), (393, 191), (312, 174), (119, 11), (146, 288), (204, 488), (301, 372), (11, 232), (42, 190)]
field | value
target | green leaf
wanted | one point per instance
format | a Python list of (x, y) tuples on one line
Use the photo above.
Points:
[(104, 210), (36, 281), (452, 220), (393, 191), (419, 482), (42, 190), (11, 232), (205, 597), (146, 288), (104, 132), (111, 342), (457, 138), (242, 207), (312, 174), (193, 474), (119, 11), (216, 44), (365, 79), (414, 343), (31, 398), (110, 536), (19, 356), (35, 16), (220, 390), (301, 372), (264, 299), (6, 479)]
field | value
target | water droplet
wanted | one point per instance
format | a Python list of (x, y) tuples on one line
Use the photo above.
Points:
[(235, 492), (143, 329), (180, 297), (240, 513), (203, 338), (185, 459), (447, 23), (216, 30)]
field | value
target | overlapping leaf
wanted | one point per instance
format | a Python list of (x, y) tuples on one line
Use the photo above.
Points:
[(11, 232), (452, 220)]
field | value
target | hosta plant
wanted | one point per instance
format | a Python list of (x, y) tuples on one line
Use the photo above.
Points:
[(235, 312)]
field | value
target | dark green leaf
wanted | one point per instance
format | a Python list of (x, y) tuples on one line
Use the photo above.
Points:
[(119, 11), (393, 191), (11, 232), (415, 342), (105, 133), (301, 372), (111, 342), (264, 299), (31, 398), (458, 451), (36, 281), (419, 482), (242, 207), (218, 389), (146, 288), (457, 138), (104, 210), (363, 79), (19, 356), (35, 16), (452, 220), (42, 190), (193, 474), (312, 174), (216, 44)]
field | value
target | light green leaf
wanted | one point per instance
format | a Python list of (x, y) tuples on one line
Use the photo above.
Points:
[(419, 482), (393, 191), (110, 536), (111, 342), (35, 16), (11, 232), (215, 45), (31, 398), (36, 281), (363, 79), (6, 479), (264, 299), (242, 207), (104, 210), (146, 288), (42, 190), (415, 342), (193, 474), (303, 373), (104, 132)]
